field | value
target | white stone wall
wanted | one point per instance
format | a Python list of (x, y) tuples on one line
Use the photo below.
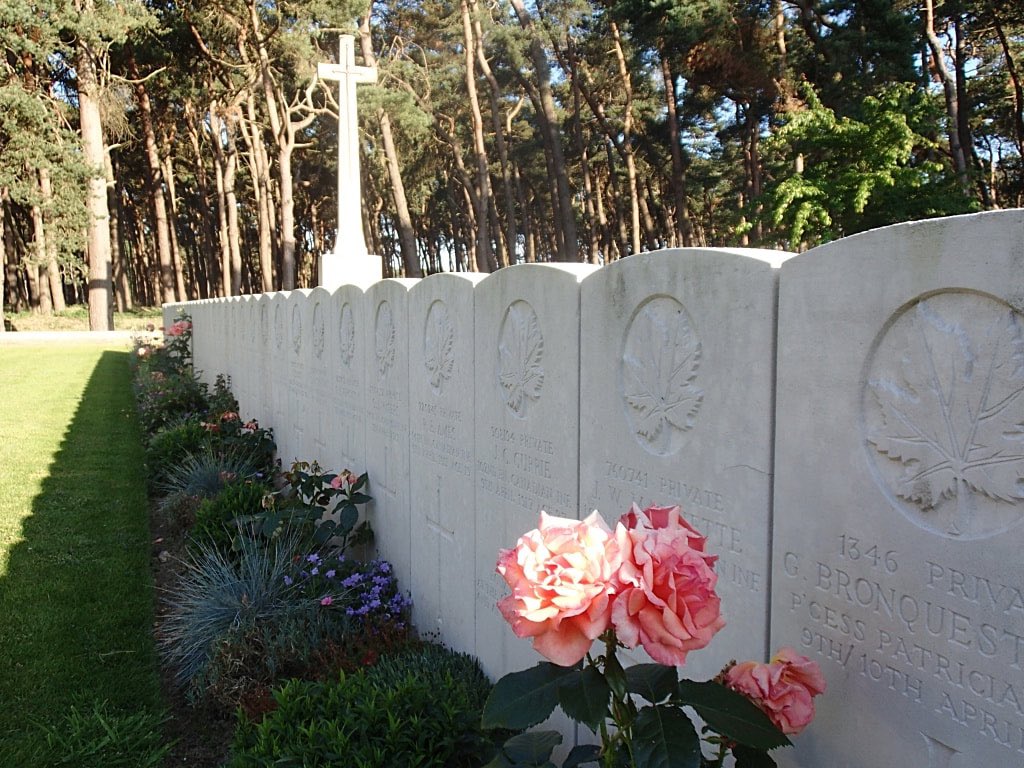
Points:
[(846, 426)]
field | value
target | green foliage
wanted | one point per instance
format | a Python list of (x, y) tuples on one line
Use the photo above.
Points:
[(216, 518), (96, 736), (419, 708), (660, 734), (322, 504), (172, 444), (854, 170), (201, 476)]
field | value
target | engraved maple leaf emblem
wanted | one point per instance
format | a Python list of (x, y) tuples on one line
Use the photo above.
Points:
[(953, 413), (384, 340), (438, 343), (520, 350), (297, 329), (318, 330), (660, 365), (347, 334)]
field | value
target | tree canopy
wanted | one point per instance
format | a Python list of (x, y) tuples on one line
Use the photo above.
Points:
[(160, 151)]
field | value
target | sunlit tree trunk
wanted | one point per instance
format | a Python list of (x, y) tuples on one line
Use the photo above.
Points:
[(101, 316), (52, 267)]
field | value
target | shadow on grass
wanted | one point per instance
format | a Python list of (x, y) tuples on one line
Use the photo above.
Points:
[(76, 600)]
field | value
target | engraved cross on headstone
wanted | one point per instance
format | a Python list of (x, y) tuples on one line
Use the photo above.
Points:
[(349, 240), (435, 524)]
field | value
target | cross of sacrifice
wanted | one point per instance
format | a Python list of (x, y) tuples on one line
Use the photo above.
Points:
[(349, 240)]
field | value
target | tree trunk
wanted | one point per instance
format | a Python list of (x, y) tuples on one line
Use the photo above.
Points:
[(682, 229), (94, 154), (154, 183), (949, 92), (565, 229), (261, 190), (406, 232), (485, 258), (52, 267)]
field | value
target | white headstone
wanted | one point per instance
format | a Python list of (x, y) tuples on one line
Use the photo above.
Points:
[(387, 421), (346, 403), (441, 438), (527, 429), (318, 363), (677, 361), (350, 261), (899, 492)]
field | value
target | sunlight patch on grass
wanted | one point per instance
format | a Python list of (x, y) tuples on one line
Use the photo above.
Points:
[(75, 584)]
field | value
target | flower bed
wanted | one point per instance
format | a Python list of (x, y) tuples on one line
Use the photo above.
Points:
[(266, 612)]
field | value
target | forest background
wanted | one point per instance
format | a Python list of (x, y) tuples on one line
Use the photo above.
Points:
[(164, 150)]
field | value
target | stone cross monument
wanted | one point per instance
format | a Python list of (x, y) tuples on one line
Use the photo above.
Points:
[(349, 262)]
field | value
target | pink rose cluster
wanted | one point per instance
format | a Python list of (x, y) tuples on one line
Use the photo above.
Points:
[(179, 327), (650, 579), (784, 688)]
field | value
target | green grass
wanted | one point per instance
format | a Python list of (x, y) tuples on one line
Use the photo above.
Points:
[(76, 594), (76, 318)]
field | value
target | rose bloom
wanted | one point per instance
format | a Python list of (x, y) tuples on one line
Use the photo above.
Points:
[(562, 580), (784, 688), (667, 601)]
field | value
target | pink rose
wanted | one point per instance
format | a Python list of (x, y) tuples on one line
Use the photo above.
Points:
[(784, 688), (343, 480), (667, 601), (562, 579)]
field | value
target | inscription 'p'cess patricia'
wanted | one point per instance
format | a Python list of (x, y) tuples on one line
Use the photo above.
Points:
[(943, 414)]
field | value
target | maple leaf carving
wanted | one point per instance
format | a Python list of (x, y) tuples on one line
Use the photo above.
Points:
[(318, 330), (953, 415), (520, 350), (347, 334), (438, 343), (297, 329), (384, 340), (660, 365), (279, 326)]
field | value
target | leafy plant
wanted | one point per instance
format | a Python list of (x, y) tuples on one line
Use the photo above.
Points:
[(420, 707), (322, 504), (201, 476), (172, 444), (217, 518)]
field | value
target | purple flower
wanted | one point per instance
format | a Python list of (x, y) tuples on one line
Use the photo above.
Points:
[(330, 574), (314, 572), (288, 581), (314, 558)]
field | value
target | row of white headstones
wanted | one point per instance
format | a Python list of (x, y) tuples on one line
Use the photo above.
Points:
[(847, 429)]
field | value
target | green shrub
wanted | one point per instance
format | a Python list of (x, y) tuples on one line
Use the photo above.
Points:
[(215, 520), (164, 398), (170, 446), (200, 476), (418, 709)]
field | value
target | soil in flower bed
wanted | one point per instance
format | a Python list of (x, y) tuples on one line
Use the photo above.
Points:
[(201, 735)]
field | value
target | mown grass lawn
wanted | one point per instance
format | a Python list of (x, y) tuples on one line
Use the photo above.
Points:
[(77, 658)]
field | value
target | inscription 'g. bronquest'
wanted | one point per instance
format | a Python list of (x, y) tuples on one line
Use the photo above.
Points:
[(660, 358), (943, 413)]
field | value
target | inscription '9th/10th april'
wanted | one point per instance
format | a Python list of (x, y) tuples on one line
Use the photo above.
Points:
[(938, 644)]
